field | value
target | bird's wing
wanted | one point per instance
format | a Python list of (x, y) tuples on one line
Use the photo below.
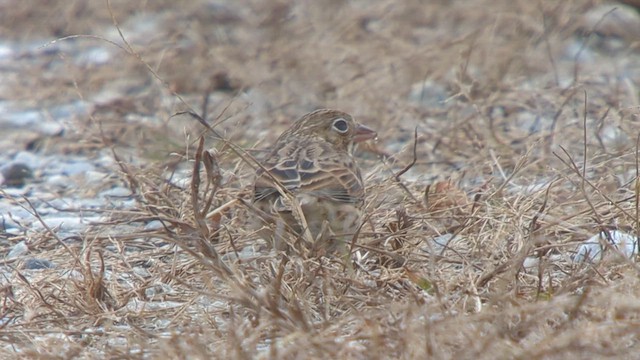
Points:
[(280, 167), (333, 178), (313, 169)]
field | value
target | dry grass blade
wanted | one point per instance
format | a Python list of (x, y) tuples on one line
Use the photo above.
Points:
[(198, 214), (409, 166)]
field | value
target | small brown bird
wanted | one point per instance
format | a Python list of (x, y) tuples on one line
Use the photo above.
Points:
[(310, 181)]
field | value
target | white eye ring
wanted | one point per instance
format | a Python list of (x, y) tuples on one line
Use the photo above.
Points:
[(340, 125)]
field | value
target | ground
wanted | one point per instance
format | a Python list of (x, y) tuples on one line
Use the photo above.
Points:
[(502, 190)]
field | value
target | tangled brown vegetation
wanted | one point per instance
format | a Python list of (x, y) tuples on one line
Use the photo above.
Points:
[(500, 149)]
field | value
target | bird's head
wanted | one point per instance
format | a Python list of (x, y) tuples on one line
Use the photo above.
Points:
[(333, 126)]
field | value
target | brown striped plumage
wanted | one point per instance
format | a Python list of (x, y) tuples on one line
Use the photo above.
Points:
[(311, 178)]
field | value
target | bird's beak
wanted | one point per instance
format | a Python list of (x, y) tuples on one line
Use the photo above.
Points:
[(363, 133)]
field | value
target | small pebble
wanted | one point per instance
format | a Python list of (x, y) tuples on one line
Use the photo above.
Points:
[(77, 167), (154, 225), (158, 289), (38, 264), (61, 181), (117, 191), (69, 110), (595, 248), (66, 223), (27, 157), (95, 177), (51, 129), (142, 272), (93, 56), (16, 174), (18, 249)]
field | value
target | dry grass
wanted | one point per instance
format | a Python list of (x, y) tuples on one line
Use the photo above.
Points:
[(506, 197)]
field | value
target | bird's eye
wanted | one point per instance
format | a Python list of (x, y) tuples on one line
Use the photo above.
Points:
[(340, 125)]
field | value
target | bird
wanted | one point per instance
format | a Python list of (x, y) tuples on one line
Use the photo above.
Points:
[(310, 185)]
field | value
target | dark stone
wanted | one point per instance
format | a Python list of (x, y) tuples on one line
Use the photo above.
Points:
[(38, 264), (15, 175)]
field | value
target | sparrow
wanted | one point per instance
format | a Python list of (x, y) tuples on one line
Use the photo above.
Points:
[(310, 184)]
